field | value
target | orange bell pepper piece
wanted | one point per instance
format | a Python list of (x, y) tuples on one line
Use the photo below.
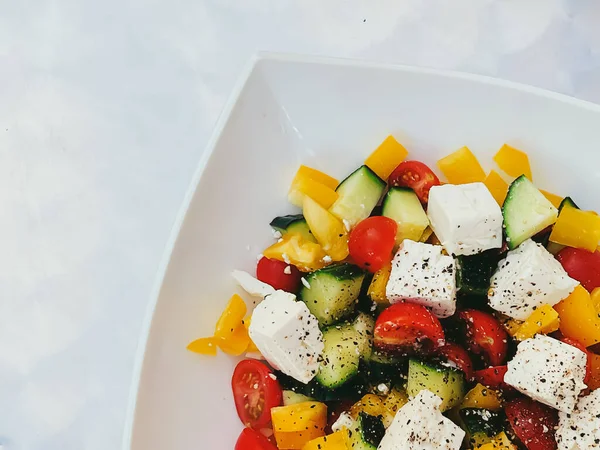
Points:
[(543, 319), (497, 186), (461, 167), (231, 318), (578, 317), (294, 249), (514, 162), (482, 397), (315, 184), (577, 228), (203, 346), (386, 157), (329, 231), (335, 441), (296, 425), (235, 343)]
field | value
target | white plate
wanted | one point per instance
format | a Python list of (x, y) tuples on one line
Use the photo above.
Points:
[(329, 114)]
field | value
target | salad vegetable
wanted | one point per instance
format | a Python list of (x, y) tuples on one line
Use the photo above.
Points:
[(396, 311)]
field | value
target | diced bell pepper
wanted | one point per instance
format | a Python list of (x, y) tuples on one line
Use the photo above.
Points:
[(203, 346), (294, 249), (577, 228), (482, 397), (386, 157), (235, 343), (377, 288), (335, 441), (500, 442), (543, 320), (314, 183), (296, 425), (329, 231), (578, 317), (461, 167), (512, 161), (231, 318), (497, 186)]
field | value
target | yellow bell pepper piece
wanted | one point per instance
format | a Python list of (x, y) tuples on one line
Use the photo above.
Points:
[(231, 318), (556, 200), (296, 425), (335, 441), (544, 317), (378, 285), (294, 249), (514, 162), (386, 157), (316, 184), (395, 400), (329, 231), (203, 346), (483, 398), (370, 404), (235, 343), (596, 299), (577, 228), (497, 186), (461, 167), (578, 317), (500, 442), (510, 325), (594, 381), (426, 235), (251, 347)]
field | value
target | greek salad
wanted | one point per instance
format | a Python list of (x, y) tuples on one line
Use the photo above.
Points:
[(396, 311)]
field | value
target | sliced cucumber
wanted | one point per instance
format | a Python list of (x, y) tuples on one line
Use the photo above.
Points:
[(481, 425), (402, 205), (366, 432), (293, 223), (331, 293), (359, 194), (445, 382), (473, 273), (340, 357), (364, 325), (526, 212), (291, 398), (567, 201)]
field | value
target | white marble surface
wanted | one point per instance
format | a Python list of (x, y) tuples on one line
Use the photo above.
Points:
[(105, 107)]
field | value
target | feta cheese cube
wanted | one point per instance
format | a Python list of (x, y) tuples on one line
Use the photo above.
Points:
[(527, 278), (580, 430), (549, 371), (422, 274), (287, 335), (251, 285), (419, 425), (465, 218)]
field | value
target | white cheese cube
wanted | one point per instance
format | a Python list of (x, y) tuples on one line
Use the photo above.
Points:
[(580, 430), (527, 278), (287, 335), (419, 425), (422, 274), (465, 218), (251, 285), (549, 371)]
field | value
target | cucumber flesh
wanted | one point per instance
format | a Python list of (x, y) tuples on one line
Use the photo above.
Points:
[(473, 273), (481, 425), (526, 212), (567, 201), (293, 224), (291, 398), (445, 382), (402, 205), (366, 432), (364, 325), (359, 194), (331, 293), (340, 357)]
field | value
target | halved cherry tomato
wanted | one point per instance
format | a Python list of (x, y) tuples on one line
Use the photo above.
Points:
[(275, 273), (493, 377), (588, 366), (581, 265), (372, 241), (415, 175), (252, 440), (485, 336), (255, 392), (407, 328), (459, 356), (533, 423)]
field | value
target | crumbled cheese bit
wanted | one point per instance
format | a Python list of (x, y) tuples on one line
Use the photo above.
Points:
[(327, 259), (286, 258), (305, 283), (276, 234), (272, 376), (347, 224), (383, 388), (259, 256), (287, 270)]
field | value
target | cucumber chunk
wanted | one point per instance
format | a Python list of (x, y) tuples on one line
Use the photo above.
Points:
[(366, 432), (473, 273), (526, 212), (340, 357), (445, 382), (567, 201), (359, 194), (402, 205), (481, 425), (291, 398), (293, 223), (331, 293)]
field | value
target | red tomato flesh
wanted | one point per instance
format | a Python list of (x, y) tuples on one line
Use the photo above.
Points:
[(588, 366), (582, 266), (533, 423), (408, 328), (372, 241), (273, 272), (415, 175), (492, 377), (459, 356), (255, 392), (252, 440), (485, 336)]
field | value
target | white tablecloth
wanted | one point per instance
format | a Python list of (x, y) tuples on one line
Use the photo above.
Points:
[(105, 108)]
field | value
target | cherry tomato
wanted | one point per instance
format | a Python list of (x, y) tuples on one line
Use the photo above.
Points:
[(372, 241), (407, 328), (492, 377), (588, 366), (581, 265), (273, 272), (255, 392), (533, 423), (415, 175), (459, 356), (485, 336), (252, 440)]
